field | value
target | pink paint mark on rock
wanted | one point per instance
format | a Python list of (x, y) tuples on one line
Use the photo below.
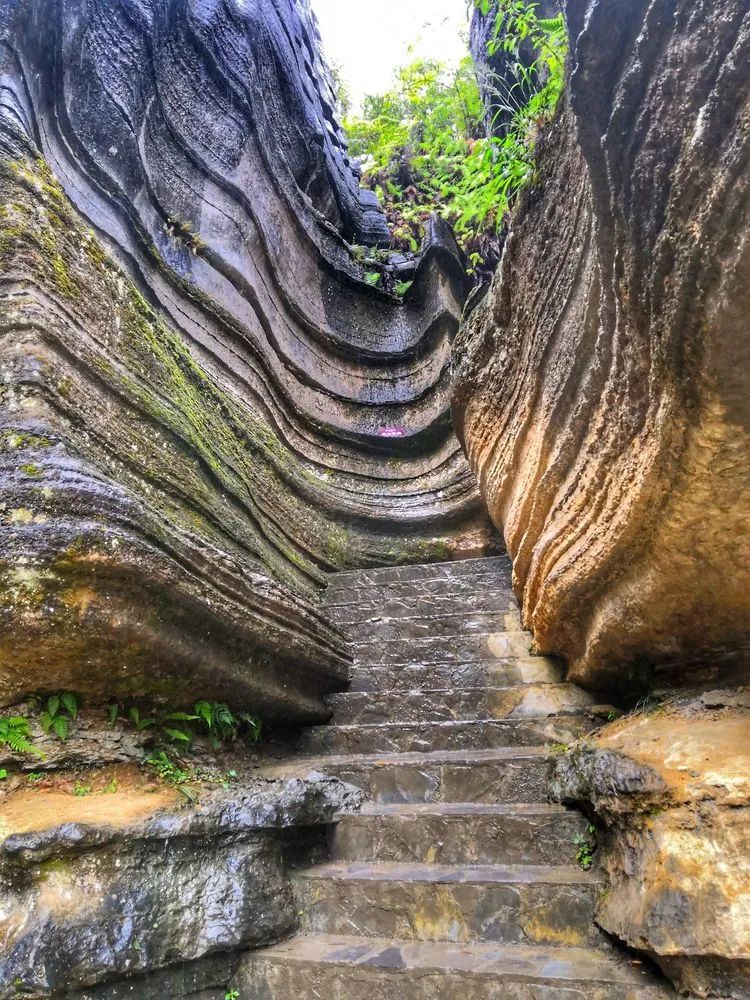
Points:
[(392, 432)]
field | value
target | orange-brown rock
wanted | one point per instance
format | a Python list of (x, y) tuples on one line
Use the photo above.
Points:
[(603, 390), (670, 790)]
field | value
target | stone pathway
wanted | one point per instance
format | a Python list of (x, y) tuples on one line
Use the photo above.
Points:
[(458, 878)]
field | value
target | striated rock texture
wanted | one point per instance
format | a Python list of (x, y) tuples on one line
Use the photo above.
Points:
[(104, 888), (204, 406), (603, 385), (669, 789)]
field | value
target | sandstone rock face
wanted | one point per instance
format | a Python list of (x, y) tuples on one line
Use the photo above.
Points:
[(603, 384), (111, 886), (670, 789), (204, 405)]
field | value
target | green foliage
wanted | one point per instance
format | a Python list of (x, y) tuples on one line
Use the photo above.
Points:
[(209, 718), (16, 735), (171, 773), (58, 710), (232, 995), (80, 789), (402, 287), (586, 845), (3, 773), (166, 769), (423, 146)]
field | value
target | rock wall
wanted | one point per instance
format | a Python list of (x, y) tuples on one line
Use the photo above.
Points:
[(602, 385), (205, 405)]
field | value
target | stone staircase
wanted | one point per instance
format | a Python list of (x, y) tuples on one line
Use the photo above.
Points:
[(457, 878)]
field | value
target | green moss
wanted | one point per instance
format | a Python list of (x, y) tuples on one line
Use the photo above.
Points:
[(55, 866), (30, 469), (12, 440), (338, 546)]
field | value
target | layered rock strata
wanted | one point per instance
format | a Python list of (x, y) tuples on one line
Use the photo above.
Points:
[(205, 404), (603, 383)]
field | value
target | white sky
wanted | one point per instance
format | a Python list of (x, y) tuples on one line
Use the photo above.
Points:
[(368, 40)]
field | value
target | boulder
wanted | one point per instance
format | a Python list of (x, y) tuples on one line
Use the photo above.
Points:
[(668, 788), (99, 889), (603, 385)]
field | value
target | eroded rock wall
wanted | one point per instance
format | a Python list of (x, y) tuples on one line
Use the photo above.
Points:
[(603, 383), (205, 405)]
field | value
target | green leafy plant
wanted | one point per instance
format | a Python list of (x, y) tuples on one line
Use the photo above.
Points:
[(58, 710), (3, 773), (16, 735), (34, 777), (373, 277), (80, 789), (171, 773), (213, 719), (166, 768), (402, 287), (232, 995), (585, 847), (423, 144)]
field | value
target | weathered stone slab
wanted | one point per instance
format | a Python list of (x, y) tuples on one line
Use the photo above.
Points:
[(670, 791), (138, 882)]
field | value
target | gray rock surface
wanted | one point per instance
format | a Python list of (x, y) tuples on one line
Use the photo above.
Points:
[(205, 405), (88, 902)]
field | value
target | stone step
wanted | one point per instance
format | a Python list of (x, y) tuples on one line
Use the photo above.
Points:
[(339, 967), (502, 775), (424, 605), (512, 904), (501, 672), (381, 627), (408, 737), (349, 596), (530, 701), (444, 649), (457, 569), (458, 833)]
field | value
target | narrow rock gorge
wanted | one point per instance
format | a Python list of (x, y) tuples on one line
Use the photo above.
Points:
[(281, 717)]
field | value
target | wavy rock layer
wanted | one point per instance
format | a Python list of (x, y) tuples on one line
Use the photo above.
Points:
[(205, 405), (603, 393)]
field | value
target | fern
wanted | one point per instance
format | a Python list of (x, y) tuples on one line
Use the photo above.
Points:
[(59, 709), (15, 734)]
